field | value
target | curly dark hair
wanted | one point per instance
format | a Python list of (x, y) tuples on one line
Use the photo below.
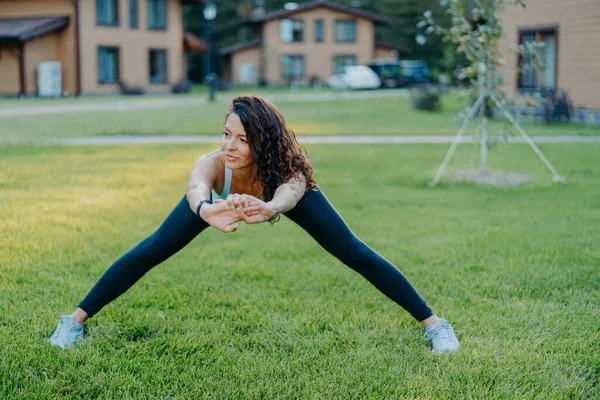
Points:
[(276, 152)]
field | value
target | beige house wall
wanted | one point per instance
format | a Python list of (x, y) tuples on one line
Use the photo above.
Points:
[(384, 52), (318, 57), (251, 56), (578, 45), (9, 70), (42, 48), (134, 46), (58, 46)]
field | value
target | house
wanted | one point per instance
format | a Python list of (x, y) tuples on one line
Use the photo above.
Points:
[(97, 43), (309, 42), (571, 34)]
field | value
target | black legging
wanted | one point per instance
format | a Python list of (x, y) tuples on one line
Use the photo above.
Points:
[(313, 213)]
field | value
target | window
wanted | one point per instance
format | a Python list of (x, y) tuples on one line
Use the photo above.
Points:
[(133, 14), (107, 12), (291, 30), (108, 64), (345, 31), (545, 78), (292, 66), (341, 61), (319, 31), (157, 14), (158, 66)]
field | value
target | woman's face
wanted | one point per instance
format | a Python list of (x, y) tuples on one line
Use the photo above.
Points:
[(235, 144)]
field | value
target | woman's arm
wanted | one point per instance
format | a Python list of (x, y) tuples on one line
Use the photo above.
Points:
[(200, 183), (253, 211), (288, 195)]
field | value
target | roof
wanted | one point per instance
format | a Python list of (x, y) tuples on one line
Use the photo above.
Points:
[(239, 46), (193, 43), (323, 3), (23, 29), (403, 51)]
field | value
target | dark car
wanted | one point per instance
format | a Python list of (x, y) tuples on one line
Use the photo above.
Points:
[(396, 73), (414, 71), (389, 71)]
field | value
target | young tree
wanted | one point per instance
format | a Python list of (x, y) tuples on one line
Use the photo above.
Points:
[(476, 30)]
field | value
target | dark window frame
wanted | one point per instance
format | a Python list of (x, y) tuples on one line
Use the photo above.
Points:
[(166, 72), (537, 31), (134, 14), (338, 40), (293, 21), (166, 21), (100, 22), (117, 66), (321, 38), (300, 56)]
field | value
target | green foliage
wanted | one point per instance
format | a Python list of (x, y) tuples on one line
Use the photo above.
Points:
[(426, 98), (266, 313), (558, 107), (404, 15), (475, 31)]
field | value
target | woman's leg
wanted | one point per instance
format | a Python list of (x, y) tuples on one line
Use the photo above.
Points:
[(180, 227), (317, 216)]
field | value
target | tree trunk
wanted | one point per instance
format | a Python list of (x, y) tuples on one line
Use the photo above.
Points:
[(484, 139)]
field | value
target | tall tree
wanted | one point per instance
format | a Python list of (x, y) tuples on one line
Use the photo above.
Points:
[(404, 15)]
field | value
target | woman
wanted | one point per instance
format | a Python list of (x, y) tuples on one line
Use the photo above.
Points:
[(259, 172)]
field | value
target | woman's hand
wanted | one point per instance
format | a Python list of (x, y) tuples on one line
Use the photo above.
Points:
[(250, 209), (220, 216)]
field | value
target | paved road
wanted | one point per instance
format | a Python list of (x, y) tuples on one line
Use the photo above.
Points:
[(141, 139), (223, 97)]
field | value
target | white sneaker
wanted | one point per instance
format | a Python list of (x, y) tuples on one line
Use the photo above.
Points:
[(67, 333), (442, 337)]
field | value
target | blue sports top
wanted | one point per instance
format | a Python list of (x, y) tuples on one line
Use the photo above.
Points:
[(226, 187)]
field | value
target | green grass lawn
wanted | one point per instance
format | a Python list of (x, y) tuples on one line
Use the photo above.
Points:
[(266, 313), (377, 116)]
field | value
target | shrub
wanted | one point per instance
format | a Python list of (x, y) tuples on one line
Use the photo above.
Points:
[(183, 86), (426, 98), (558, 107)]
